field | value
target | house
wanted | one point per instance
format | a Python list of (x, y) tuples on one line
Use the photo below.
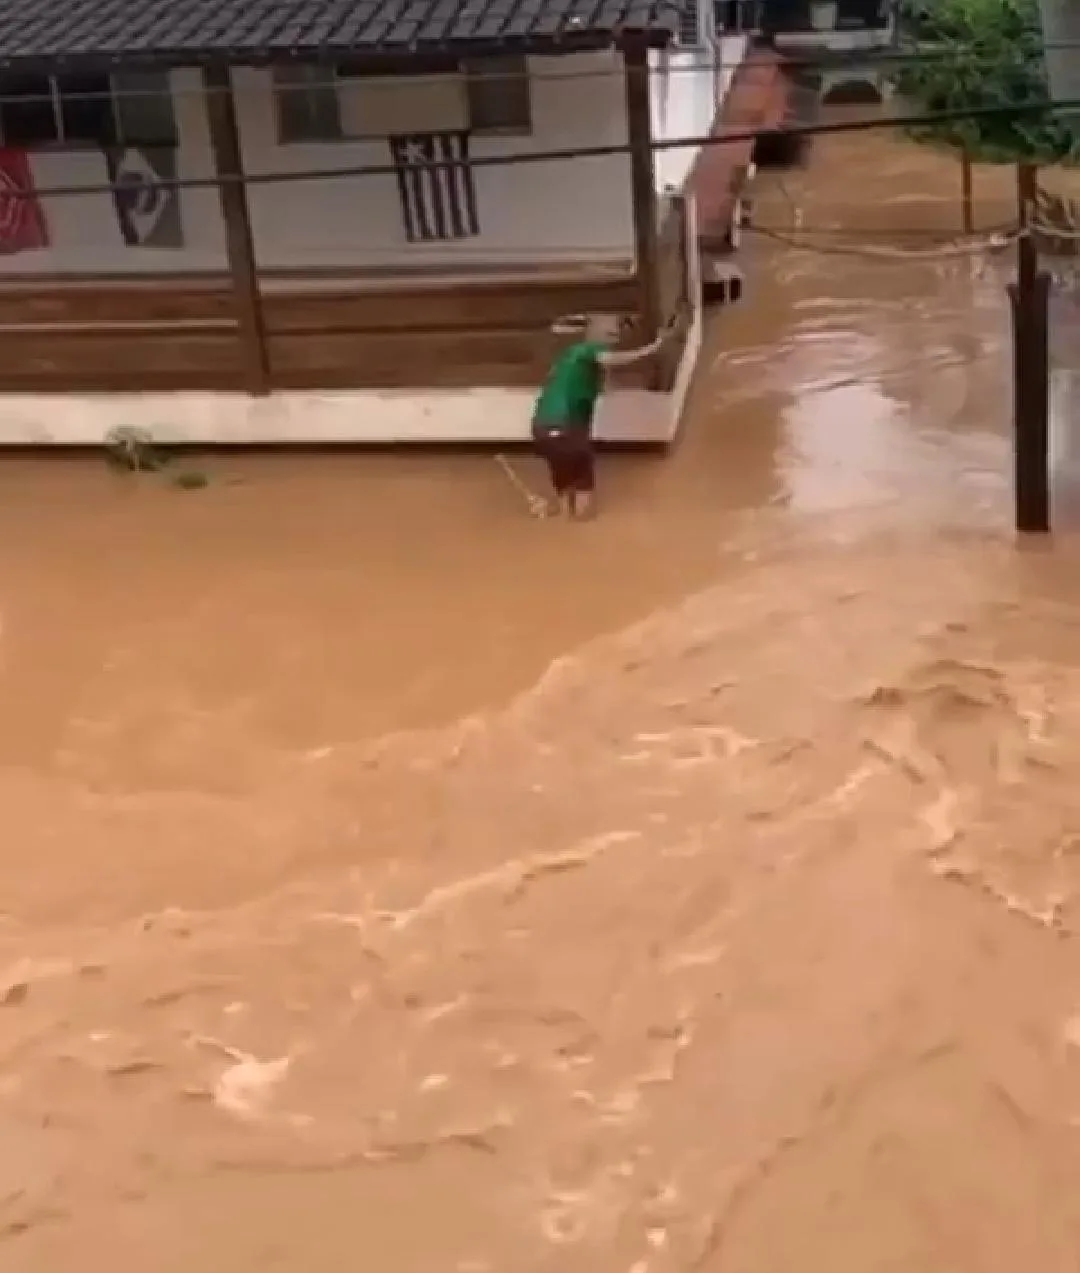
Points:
[(843, 38), (832, 48), (342, 220), (835, 26)]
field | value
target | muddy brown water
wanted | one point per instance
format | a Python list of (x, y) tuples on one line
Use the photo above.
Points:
[(388, 878)]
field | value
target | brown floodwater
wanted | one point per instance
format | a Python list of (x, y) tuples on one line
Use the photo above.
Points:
[(391, 878)]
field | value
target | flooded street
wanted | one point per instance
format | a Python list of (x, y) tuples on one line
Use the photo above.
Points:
[(391, 877)]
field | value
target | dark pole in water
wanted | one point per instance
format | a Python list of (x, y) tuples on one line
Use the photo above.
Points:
[(967, 201), (1030, 297)]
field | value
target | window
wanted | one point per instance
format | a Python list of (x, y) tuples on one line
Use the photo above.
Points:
[(738, 15), (28, 111), (497, 95), (144, 108), (134, 108), (689, 30), (496, 91), (85, 109), (306, 97)]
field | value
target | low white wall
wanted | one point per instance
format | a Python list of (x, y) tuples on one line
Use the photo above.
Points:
[(474, 415), (696, 335)]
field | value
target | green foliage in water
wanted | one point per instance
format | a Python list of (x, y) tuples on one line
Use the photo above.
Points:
[(134, 450), (131, 448), (979, 54)]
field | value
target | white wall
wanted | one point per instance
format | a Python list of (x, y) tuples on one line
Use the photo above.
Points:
[(548, 211), (556, 210), (688, 88)]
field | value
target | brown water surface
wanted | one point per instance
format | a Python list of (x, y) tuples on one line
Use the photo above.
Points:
[(392, 879)]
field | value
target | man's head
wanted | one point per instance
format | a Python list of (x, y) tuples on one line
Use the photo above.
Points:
[(604, 329)]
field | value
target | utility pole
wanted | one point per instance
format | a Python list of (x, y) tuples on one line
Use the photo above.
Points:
[(1030, 297), (967, 201)]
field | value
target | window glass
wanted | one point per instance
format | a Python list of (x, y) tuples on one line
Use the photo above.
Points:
[(498, 95), (145, 115), (306, 101), (28, 114)]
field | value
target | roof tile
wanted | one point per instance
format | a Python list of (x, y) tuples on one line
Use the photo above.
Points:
[(167, 31)]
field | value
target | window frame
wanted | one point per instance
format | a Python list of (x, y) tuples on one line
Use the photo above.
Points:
[(327, 79), (471, 77), (690, 15), (119, 137), (322, 79)]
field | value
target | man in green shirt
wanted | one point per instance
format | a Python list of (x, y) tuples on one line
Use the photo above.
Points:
[(563, 415)]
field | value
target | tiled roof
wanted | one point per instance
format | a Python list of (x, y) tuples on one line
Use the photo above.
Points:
[(179, 32)]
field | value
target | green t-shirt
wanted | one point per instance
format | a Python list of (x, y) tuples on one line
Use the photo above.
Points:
[(573, 385)]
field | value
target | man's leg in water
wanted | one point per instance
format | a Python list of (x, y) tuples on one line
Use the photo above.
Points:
[(582, 497), (552, 449)]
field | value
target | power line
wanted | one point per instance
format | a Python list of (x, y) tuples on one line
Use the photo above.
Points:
[(794, 131), (787, 234), (869, 60), (943, 245)]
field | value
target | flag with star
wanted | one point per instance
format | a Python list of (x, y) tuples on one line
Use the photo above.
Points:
[(435, 186)]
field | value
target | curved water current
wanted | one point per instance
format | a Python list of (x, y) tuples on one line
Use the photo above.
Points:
[(389, 879)]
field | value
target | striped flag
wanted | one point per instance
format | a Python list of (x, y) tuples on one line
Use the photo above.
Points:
[(440, 202)]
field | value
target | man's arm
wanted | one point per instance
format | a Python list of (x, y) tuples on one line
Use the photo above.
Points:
[(627, 357)]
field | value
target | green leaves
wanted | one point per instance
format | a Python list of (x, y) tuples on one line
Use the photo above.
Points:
[(982, 54), (134, 450)]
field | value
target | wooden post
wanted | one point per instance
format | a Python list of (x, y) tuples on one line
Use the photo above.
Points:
[(967, 206), (1027, 250), (225, 142), (1030, 297), (643, 187)]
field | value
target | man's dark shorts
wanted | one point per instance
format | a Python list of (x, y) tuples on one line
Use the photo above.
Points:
[(569, 456)]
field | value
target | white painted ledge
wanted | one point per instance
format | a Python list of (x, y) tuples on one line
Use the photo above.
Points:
[(476, 415)]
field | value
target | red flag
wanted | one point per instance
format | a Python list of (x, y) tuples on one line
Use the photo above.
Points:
[(22, 224)]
